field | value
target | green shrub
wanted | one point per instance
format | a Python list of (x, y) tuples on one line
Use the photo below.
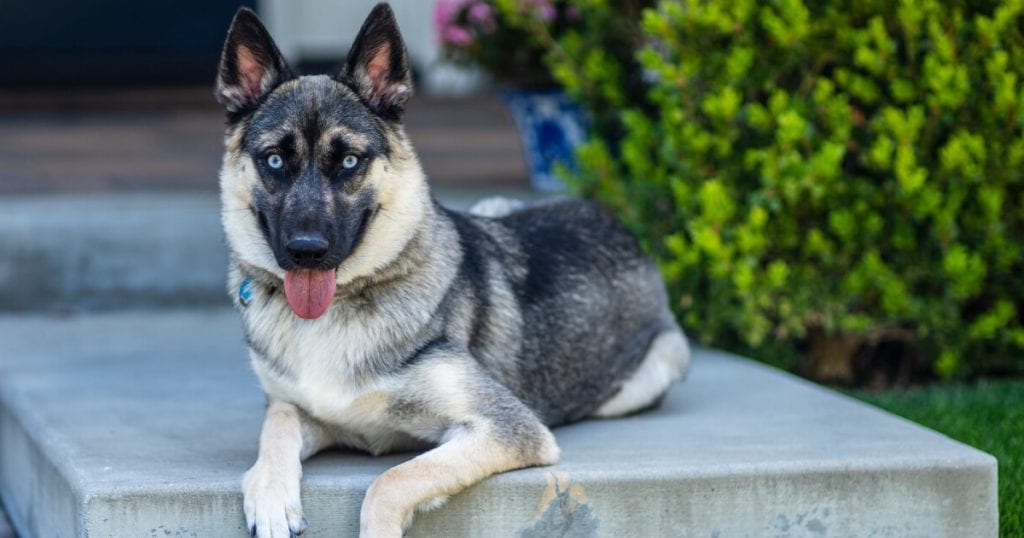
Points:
[(818, 177)]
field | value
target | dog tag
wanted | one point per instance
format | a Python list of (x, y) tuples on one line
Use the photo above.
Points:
[(245, 291)]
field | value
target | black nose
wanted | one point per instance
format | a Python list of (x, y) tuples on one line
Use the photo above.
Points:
[(307, 249)]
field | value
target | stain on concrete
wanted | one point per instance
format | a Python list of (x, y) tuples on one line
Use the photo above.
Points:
[(180, 531), (813, 522), (563, 511), (816, 526)]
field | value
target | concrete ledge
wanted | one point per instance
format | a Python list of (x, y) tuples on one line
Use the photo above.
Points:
[(142, 423), (95, 252)]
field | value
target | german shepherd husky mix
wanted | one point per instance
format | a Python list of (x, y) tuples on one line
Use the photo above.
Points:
[(377, 319)]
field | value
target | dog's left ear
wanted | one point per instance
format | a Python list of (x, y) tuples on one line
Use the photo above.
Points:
[(250, 64), (378, 66)]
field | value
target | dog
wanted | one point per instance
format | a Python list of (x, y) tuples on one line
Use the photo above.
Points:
[(378, 320)]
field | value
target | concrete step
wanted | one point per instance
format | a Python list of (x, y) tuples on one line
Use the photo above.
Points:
[(142, 423), (5, 526), (104, 251)]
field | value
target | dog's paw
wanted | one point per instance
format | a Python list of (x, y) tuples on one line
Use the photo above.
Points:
[(273, 508)]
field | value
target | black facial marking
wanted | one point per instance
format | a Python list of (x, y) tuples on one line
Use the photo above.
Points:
[(310, 108), (287, 145), (367, 207), (264, 225), (285, 148), (313, 195), (311, 130), (332, 159)]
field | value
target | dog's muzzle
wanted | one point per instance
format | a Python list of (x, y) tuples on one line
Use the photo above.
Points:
[(307, 250)]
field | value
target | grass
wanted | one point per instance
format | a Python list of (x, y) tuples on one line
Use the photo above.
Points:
[(988, 415)]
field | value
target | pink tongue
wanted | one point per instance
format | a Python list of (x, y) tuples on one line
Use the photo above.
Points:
[(309, 292)]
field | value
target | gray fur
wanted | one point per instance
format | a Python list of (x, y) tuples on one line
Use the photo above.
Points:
[(579, 304)]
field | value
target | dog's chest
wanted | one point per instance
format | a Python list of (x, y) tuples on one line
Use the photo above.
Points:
[(359, 410), (314, 364)]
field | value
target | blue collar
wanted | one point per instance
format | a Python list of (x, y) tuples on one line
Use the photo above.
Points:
[(245, 291)]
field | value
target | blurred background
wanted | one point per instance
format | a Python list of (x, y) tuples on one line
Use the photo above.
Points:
[(834, 188), (117, 96)]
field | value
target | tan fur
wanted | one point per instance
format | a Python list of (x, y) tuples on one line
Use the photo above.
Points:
[(467, 455), (272, 484), (461, 461), (358, 142), (403, 205), (237, 177)]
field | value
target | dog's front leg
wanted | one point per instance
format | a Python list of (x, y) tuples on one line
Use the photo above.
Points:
[(270, 488), (488, 434)]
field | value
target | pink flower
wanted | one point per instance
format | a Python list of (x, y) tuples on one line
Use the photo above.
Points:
[(545, 10), (482, 14), (456, 35), (445, 12)]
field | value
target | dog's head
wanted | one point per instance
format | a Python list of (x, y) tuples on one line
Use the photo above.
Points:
[(319, 183)]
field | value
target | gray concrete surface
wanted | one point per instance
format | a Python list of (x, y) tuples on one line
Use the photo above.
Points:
[(142, 423), (88, 252), (5, 526)]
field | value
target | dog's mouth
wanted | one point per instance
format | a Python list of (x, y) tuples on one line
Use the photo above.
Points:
[(309, 292)]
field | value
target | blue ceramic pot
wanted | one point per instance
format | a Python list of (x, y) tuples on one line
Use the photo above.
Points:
[(550, 126)]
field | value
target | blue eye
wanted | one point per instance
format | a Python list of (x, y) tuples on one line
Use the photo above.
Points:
[(350, 161), (275, 161)]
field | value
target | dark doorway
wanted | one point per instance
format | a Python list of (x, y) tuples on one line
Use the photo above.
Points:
[(103, 43)]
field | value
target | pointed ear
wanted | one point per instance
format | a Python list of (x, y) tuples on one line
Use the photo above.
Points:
[(377, 67), (250, 65)]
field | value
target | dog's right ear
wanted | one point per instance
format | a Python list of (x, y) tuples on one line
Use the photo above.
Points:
[(378, 64), (250, 65)]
